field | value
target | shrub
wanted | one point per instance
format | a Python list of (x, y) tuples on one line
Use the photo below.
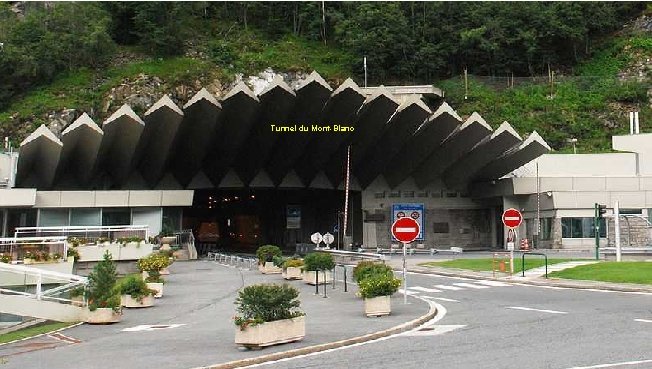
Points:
[(365, 269), (266, 253), (279, 261), (5, 258), (293, 263), (378, 285), (100, 290), (319, 261), (73, 252), (154, 276), (136, 288), (153, 263), (261, 303)]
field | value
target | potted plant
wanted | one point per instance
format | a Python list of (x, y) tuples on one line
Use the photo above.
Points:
[(135, 293), (5, 258), (151, 267), (268, 314), (366, 268), (266, 256), (72, 252), (292, 268), (318, 262), (103, 301), (376, 291), (56, 257)]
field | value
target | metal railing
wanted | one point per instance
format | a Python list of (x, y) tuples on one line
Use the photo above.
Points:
[(17, 248), (238, 261), (186, 240), (60, 282), (89, 233), (533, 253)]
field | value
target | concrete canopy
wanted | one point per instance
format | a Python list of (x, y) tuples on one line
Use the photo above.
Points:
[(232, 143), (38, 159)]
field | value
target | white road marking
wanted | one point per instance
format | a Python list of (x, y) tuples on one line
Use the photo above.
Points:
[(446, 287), (409, 293), (440, 298), (151, 327), (613, 364), (494, 283), (539, 310), (469, 285), (432, 331), (643, 320), (423, 289)]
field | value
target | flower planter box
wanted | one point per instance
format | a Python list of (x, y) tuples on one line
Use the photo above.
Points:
[(158, 287), (271, 333), (292, 273), (377, 306), (129, 302), (269, 268), (310, 278), (102, 316), (28, 261), (165, 271)]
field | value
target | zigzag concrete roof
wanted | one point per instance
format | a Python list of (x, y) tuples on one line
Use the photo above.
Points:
[(231, 143)]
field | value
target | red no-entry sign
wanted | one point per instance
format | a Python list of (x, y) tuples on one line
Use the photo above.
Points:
[(405, 229), (512, 218)]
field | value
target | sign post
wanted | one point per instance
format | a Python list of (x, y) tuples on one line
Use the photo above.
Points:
[(405, 230), (512, 219)]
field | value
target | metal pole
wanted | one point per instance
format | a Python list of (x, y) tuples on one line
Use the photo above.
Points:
[(596, 225), (325, 283), (617, 229), (317, 282), (511, 254), (538, 229), (365, 72), (404, 273)]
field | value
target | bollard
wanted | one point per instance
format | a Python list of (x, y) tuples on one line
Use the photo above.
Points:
[(345, 289), (325, 284), (317, 282)]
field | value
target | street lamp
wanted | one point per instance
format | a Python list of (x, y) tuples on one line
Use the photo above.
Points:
[(573, 141)]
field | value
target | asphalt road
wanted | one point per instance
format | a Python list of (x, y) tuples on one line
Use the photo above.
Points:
[(498, 325)]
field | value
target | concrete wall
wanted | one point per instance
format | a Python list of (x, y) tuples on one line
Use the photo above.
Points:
[(92, 199)]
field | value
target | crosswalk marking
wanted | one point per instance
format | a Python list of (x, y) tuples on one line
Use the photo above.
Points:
[(409, 293), (440, 298), (469, 285), (450, 288), (494, 283), (424, 289)]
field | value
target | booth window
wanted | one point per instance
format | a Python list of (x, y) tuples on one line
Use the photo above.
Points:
[(581, 228)]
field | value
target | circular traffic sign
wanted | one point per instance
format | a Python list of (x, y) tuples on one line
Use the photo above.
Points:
[(316, 238), (512, 218), (405, 229), (328, 238)]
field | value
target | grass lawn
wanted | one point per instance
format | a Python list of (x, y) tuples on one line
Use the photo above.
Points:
[(623, 272), (485, 264), (32, 331)]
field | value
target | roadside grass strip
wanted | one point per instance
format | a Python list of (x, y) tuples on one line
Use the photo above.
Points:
[(33, 331), (639, 272), (485, 264)]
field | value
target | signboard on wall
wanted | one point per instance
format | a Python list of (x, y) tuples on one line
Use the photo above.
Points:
[(414, 211), (293, 217)]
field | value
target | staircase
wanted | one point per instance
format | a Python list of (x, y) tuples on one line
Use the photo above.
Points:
[(40, 294)]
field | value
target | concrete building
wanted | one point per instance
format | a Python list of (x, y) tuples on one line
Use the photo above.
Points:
[(250, 169)]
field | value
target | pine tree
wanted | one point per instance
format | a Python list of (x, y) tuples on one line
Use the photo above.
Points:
[(101, 285)]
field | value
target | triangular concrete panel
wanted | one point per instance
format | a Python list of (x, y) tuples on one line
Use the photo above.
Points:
[(261, 180), (291, 180), (200, 181), (231, 179)]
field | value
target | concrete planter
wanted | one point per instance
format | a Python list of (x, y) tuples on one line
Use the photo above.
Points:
[(165, 271), (129, 302), (271, 333), (269, 268), (292, 273), (310, 278), (28, 261), (158, 287), (130, 251), (102, 316), (377, 306)]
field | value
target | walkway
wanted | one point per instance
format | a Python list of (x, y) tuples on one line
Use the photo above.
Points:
[(541, 271), (196, 326)]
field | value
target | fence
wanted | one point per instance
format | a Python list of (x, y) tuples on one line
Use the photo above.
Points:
[(238, 261), (41, 248), (89, 234)]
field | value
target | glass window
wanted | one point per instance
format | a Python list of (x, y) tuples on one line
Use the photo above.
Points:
[(20, 218), (581, 228), (436, 194), (116, 216), (171, 220), (85, 217), (546, 229), (395, 194), (53, 218), (379, 195), (631, 211), (408, 193)]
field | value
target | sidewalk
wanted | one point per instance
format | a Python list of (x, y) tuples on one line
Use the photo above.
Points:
[(199, 297), (413, 266)]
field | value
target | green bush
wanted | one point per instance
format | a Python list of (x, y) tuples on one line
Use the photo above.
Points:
[(293, 263), (279, 261), (364, 269), (378, 285), (136, 288), (266, 253), (318, 261), (100, 291), (261, 303)]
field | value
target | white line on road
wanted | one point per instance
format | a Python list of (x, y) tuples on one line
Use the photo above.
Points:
[(643, 320), (613, 365), (469, 285), (434, 330), (539, 310), (423, 289), (494, 283), (440, 298), (446, 287)]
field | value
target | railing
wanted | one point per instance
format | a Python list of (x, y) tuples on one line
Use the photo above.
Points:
[(89, 233), (533, 253), (238, 261), (40, 278), (354, 255), (186, 240), (17, 248)]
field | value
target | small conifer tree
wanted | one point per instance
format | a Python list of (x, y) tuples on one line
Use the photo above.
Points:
[(101, 292)]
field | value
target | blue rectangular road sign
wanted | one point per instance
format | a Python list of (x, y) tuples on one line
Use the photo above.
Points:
[(415, 211)]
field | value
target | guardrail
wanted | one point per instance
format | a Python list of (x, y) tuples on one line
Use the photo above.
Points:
[(16, 248), (39, 277), (90, 233), (354, 255)]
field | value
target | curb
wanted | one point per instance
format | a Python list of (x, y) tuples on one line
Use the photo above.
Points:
[(545, 283), (43, 334), (327, 346)]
